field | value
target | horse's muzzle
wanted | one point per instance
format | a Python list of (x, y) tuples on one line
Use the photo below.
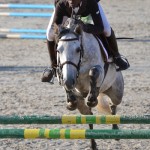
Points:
[(69, 84)]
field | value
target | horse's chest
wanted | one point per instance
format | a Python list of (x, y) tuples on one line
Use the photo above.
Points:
[(83, 84)]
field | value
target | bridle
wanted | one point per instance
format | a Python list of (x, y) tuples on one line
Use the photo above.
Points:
[(77, 66)]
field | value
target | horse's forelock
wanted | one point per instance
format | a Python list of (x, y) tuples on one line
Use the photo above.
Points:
[(63, 30)]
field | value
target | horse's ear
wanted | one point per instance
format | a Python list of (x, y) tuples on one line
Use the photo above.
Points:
[(78, 29), (56, 32)]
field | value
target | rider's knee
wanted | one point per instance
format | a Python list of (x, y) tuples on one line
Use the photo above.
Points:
[(107, 31), (50, 35)]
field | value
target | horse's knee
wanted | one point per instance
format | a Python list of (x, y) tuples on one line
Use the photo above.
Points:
[(114, 95), (117, 101), (94, 72)]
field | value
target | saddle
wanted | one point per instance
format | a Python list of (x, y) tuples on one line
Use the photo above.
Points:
[(105, 49)]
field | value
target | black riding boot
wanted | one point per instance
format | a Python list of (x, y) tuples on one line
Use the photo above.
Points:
[(50, 72), (119, 60)]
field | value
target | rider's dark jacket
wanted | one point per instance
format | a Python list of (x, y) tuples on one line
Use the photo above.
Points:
[(88, 7)]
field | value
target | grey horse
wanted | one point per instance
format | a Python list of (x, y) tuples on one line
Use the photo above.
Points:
[(85, 74)]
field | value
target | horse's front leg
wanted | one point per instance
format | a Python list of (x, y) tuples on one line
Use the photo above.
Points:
[(93, 89), (93, 143), (85, 110), (71, 100)]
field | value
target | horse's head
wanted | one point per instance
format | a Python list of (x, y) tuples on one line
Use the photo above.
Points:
[(69, 54)]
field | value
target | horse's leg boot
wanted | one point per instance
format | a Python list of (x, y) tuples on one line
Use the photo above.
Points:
[(94, 91), (50, 72), (119, 60)]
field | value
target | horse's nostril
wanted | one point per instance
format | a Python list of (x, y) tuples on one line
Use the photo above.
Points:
[(69, 84), (73, 82)]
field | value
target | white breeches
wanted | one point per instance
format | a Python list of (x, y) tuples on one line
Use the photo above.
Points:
[(50, 28), (107, 27)]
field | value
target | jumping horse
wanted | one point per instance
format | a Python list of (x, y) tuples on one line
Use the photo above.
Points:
[(84, 72)]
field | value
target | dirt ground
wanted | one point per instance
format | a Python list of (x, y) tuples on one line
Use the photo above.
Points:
[(22, 63)]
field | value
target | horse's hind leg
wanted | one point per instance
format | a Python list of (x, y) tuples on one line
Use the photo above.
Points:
[(113, 112), (116, 100), (115, 92), (94, 90)]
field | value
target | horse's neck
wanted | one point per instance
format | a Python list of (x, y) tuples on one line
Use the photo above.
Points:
[(92, 52)]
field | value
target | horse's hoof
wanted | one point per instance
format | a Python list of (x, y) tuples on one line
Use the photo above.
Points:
[(92, 103), (95, 148), (93, 145), (117, 139), (115, 127), (71, 106)]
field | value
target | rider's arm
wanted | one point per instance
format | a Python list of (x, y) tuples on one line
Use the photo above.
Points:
[(59, 13), (98, 27)]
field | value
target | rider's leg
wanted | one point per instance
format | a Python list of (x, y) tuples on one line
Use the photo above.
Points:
[(50, 71), (110, 36), (119, 61), (52, 53)]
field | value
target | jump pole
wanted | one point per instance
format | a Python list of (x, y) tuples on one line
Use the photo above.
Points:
[(15, 30), (76, 119), (74, 134), (22, 36), (27, 6), (23, 14)]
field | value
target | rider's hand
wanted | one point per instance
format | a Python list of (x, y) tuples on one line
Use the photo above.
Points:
[(87, 28)]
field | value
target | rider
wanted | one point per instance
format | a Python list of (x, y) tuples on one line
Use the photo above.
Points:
[(82, 8)]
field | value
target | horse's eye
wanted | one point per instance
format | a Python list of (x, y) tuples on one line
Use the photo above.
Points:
[(78, 50)]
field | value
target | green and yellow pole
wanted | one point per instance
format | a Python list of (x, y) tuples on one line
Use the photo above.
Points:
[(74, 134), (76, 119)]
